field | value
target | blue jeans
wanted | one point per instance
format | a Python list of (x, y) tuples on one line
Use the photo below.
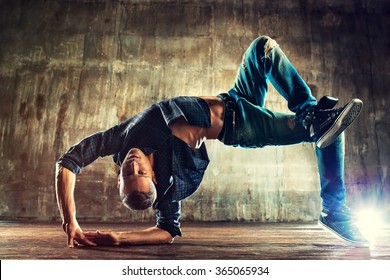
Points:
[(257, 126)]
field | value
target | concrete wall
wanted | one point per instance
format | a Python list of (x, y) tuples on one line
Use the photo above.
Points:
[(71, 68)]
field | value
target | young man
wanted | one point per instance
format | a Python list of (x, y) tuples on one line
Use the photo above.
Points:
[(163, 157)]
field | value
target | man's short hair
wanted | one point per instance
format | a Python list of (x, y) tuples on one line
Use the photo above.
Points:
[(137, 200)]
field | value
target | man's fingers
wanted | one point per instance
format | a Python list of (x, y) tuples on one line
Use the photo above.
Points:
[(86, 241), (77, 238), (82, 241), (70, 242), (70, 237)]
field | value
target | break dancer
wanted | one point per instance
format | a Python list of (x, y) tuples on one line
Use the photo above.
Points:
[(162, 155)]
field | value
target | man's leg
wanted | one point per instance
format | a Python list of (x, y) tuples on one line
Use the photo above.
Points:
[(265, 61), (251, 126), (331, 170), (254, 126), (335, 216)]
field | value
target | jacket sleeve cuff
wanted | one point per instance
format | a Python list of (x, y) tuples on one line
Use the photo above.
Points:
[(69, 164), (168, 217)]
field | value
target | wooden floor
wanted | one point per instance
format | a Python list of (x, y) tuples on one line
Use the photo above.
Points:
[(249, 241)]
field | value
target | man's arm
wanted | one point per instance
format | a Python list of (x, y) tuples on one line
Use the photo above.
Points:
[(65, 184), (153, 235), (167, 227), (72, 162)]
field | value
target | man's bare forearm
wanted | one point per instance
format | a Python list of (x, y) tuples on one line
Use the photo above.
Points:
[(152, 235), (65, 184)]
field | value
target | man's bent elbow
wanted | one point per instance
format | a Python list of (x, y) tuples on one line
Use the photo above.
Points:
[(169, 240), (165, 237)]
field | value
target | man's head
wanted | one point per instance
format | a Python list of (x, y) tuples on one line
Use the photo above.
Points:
[(137, 181)]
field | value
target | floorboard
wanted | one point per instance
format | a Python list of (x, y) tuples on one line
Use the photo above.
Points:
[(201, 241)]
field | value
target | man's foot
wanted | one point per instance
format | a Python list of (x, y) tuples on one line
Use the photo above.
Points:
[(328, 124), (340, 223)]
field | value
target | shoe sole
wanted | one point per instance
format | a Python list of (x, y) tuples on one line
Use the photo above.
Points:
[(345, 119), (342, 238)]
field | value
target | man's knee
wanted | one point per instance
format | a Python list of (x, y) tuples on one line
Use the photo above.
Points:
[(264, 45)]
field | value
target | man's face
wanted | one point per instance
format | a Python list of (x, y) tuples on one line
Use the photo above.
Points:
[(136, 172)]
